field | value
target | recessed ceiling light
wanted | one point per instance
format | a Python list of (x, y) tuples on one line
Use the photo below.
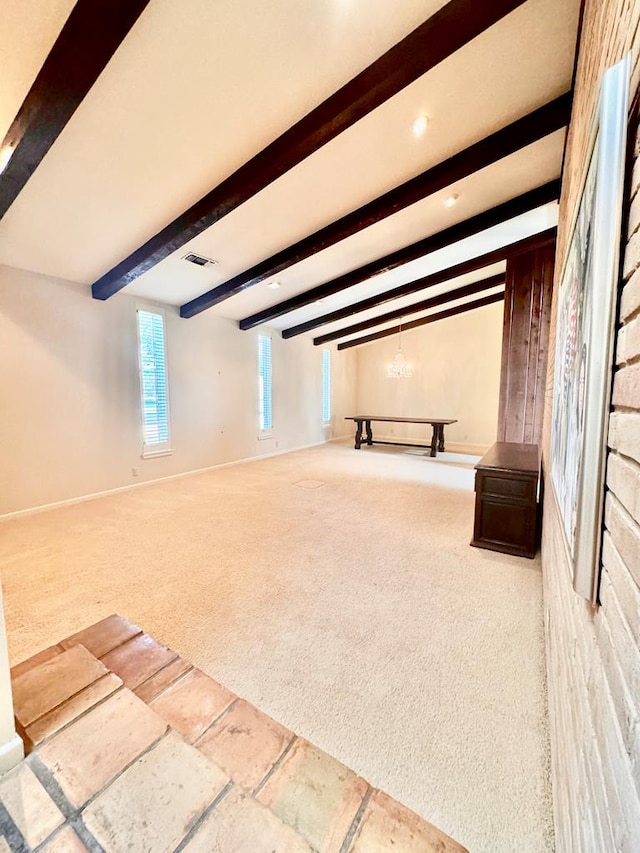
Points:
[(5, 156), (419, 126), (273, 285), (451, 200)]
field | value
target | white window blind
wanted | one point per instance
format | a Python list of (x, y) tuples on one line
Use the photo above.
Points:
[(264, 385), (326, 385), (153, 381)]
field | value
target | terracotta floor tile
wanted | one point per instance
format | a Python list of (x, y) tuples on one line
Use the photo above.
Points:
[(387, 825), (242, 825), (155, 802), (28, 664), (48, 685), (192, 704), (73, 708), (65, 841), (138, 659), (245, 743), (150, 688), (32, 809), (316, 795), (104, 636), (91, 751)]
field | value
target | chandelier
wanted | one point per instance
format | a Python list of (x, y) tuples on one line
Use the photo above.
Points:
[(399, 369)]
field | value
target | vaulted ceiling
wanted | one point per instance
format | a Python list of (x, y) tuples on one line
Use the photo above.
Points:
[(190, 136)]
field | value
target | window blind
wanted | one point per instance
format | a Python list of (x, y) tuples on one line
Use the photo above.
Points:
[(153, 378), (326, 385), (264, 384)]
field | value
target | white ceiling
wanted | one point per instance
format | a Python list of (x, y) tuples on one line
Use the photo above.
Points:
[(515, 229), (454, 303), (197, 88), (28, 32)]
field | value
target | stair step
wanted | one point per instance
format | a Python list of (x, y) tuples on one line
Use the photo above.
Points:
[(151, 753)]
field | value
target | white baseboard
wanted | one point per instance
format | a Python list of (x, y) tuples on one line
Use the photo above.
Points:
[(467, 449), (130, 486), (11, 753)]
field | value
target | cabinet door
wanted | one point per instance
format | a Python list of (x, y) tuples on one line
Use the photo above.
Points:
[(508, 525)]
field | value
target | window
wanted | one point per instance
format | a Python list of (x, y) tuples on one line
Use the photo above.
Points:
[(153, 382), (265, 415), (326, 385)]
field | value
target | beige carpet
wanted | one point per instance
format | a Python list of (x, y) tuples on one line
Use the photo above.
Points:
[(337, 591)]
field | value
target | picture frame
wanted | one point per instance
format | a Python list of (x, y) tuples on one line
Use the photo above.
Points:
[(585, 327)]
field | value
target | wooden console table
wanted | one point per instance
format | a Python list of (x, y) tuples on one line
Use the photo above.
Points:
[(506, 516), (437, 438)]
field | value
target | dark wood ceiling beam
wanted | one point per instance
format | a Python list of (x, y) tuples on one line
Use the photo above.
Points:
[(528, 244), (467, 228), (519, 134), (91, 35), (425, 305), (444, 33), (423, 321)]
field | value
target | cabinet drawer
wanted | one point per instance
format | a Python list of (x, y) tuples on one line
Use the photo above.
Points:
[(508, 487)]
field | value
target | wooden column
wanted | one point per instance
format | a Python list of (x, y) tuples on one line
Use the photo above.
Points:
[(525, 345), (11, 748)]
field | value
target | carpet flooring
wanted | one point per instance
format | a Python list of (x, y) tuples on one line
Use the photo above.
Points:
[(336, 590)]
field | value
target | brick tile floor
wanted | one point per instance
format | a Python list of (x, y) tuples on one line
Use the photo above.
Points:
[(157, 799), (245, 743), (104, 636), (191, 704), (29, 806), (51, 683), (68, 711), (138, 659), (133, 749), (315, 794)]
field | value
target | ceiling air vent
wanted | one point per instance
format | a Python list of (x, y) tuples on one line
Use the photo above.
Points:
[(198, 260)]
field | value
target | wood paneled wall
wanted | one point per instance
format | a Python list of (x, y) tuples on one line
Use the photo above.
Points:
[(525, 345)]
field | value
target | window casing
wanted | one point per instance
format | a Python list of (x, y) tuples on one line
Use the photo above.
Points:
[(326, 386), (265, 399), (154, 391)]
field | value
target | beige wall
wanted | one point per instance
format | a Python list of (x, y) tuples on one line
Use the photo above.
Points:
[(456, 364), (70, 394), (593, 655)]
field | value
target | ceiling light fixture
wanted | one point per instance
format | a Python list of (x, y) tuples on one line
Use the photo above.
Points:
[(419, 126), (451, 200), (273, 285), (399, 369)]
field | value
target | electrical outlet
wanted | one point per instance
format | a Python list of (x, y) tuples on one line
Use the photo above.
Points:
[(134, 472)]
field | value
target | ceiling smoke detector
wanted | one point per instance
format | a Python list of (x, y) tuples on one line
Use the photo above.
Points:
[(199, 260)]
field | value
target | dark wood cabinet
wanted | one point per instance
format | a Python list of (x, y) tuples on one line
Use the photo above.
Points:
[(506, 516)]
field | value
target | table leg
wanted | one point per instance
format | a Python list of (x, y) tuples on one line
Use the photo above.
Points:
[(358, 435), (369, 433), (434, 440), (441, 438)]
